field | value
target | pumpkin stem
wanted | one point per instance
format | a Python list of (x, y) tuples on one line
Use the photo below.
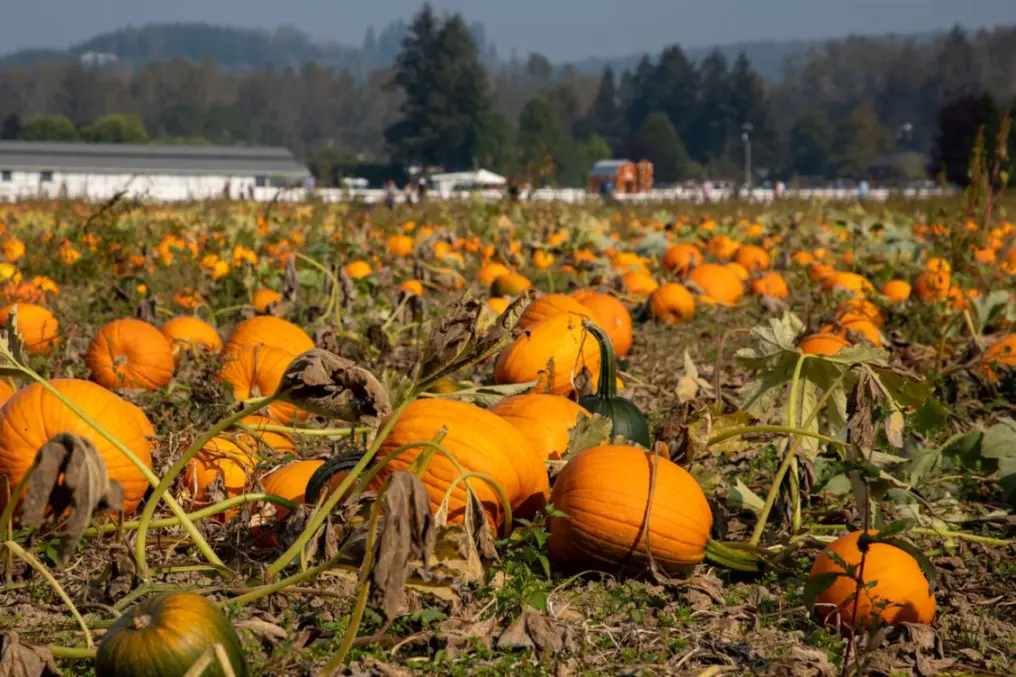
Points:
[(607, 389), (142, 621)]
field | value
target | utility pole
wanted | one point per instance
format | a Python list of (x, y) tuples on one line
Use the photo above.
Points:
[(746, 130)]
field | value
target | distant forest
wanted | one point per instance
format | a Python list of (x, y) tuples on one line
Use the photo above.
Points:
[(832, 108)]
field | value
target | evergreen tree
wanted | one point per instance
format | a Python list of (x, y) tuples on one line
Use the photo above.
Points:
[(811, 144), (604, 115), (11, 127), (658, 141), (539, 136), (445, 90), (959, 122), (674, 89), (597, 149), (748, 105), (860, 141), (714, 122), (496, 148), (640, 101)]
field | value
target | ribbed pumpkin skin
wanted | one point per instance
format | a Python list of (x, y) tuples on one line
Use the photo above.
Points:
[(605, 491), (544, 420), (270, 331), (33, 416), (561, 338), (898, 580), (38, 326), (176, 629), (481, 442), (719, 283), (186, 333), (130, 353), (257, 372), (550, 305), (612, 315), (6, 392)]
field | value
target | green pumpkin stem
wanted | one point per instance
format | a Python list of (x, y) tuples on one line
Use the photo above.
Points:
[(607, 389), (733, 558)]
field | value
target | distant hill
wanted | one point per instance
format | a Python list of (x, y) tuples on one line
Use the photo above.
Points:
[(287, 47)]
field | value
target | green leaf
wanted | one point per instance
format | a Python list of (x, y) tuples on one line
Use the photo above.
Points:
[(894, 528), (1007, 480), (999, 440), (904, 390), (740, 497), (931, 417), (818, 584)]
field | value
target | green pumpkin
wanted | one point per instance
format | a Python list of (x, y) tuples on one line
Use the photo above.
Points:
[(164, 635), (629, 422)]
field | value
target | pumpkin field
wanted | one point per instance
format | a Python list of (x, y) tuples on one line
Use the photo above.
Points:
[(486, 439)]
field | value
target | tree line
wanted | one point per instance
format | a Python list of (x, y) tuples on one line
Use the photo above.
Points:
[(838, 111)]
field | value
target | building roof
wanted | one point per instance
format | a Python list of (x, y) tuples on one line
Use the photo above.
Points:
[(481, 177), (607, 167), (106, 158)]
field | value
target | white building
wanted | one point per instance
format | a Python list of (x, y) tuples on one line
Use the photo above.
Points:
[(91, 171)]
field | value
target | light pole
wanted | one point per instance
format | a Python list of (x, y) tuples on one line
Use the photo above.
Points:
[(746, 130)]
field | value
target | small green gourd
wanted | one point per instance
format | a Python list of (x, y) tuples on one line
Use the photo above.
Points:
[(629, 422)]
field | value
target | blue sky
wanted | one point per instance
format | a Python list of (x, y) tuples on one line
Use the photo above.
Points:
[(561, 29)]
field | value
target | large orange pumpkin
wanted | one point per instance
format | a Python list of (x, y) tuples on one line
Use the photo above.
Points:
[(719, 283), (772, 285), (270, 331), (549, 305), (257, 372), (752, 257), (553, 352), (33, 416), (604, 492), (6, 392), (611, 315), (639, 282), (38, 326), (481, 442), (130, 353), (895, 591), (897, 291), (933, 285), (672, 303), (187, 333), (825, 344), (546, 421)]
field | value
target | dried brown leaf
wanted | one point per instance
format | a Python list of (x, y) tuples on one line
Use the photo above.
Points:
[(459, 635), (69, 472), (23, 660), (328, 385), (122, 572), (533, 630), (290, 281), (146, 310), (589, 432), (407, 535)]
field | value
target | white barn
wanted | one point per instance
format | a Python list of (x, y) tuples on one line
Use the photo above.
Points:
[(91, 171)]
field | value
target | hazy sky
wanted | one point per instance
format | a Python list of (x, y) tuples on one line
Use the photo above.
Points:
[(561, 29)]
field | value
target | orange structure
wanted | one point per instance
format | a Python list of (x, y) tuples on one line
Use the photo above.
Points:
[(624, 176)]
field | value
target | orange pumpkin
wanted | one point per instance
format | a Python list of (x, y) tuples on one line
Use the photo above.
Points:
[(549, 305), (604, 492), (6, 392), (481, 442), (130, 353), (723, 247), (553, 352), (290, 482), (221, 460), (895, 589), (752, 257), (897, 291), (498, 305), (270, 331), (772, 285), (933, 285), (491, 271), (824, 343), (545, 421), (850, 283), (682, 257), (264, 297), (639, 282), (257, 372), (38, 327), (510, 284), (187, 333), (357, 269), (611, 315), (1002, 352), (672, 303), (33, 416), (412, 287), (719, 283), (399, 246)]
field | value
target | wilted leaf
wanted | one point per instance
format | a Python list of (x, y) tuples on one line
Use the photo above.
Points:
[(589, 432), (398, 385), (332, 386), (771, 339), (12, 345), (407, 534), (122, 572), (460, 634), (533, 630), (462, 549), (740, 497), (22, 660), (488, 396), (69, 472)]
